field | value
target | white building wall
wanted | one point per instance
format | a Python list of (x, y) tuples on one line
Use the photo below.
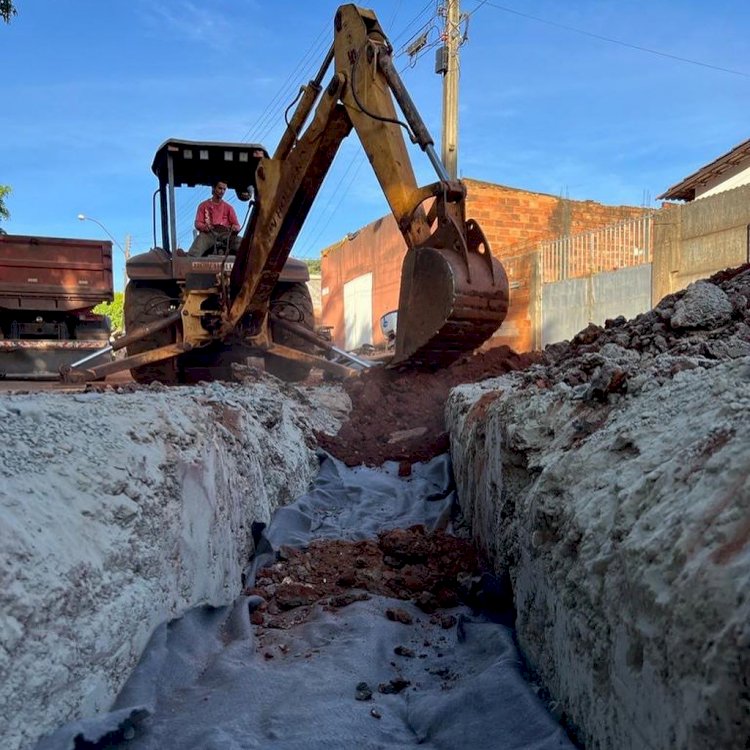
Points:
[(358, 311)]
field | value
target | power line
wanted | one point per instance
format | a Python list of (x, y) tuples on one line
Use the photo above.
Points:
[(270, 117), (602, 38), (408, 25), (305, 68), (476, 8), (358, 159), (395, 13)]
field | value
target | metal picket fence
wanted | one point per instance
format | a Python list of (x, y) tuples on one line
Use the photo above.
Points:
[(627, 243)]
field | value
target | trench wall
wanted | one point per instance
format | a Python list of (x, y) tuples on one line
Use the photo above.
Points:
[(624, 529), (121, 511)]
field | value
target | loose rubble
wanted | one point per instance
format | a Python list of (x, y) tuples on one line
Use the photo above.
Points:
[(612, 481), (436, 571), (701, 326)]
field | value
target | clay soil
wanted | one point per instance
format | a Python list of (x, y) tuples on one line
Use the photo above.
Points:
[(398, 416), (434, 570)]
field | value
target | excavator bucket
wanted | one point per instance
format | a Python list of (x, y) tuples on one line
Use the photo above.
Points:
[(450, 303)]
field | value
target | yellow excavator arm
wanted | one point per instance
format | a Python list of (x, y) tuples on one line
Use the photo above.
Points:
[(454, 294)]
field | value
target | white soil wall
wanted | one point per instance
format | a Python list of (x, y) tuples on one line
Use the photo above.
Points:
[(625, 528), (119, 511)]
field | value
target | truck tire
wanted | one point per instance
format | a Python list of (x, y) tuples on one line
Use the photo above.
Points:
[(145, 304), (99, 330), (293, 302)]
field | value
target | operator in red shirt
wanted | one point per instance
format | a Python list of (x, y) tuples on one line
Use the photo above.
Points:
[(215, 221)]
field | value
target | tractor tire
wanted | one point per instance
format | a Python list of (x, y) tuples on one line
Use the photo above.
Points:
[(293, 302), (143, 304)]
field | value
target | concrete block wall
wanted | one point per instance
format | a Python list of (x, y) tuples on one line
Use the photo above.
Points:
[(569, 306), (512, 219), (314, 286), (695, 240)]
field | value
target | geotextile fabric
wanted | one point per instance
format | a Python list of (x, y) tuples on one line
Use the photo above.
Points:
[(343, 678)]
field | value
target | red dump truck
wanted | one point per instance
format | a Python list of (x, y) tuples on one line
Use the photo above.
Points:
[(48, 287)]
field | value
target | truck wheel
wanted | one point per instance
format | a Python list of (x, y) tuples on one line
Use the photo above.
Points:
[(145, 304), (95, 330), (293, 302)]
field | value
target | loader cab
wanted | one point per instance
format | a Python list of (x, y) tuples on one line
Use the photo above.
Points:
[(186, 172), (180, 164)]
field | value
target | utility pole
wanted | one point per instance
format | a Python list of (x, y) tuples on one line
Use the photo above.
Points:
[(447, 64)]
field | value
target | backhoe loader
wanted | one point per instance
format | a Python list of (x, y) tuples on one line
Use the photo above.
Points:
[(190, 318)]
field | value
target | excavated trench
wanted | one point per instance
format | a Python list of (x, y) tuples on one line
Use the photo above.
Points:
[(361, 622), (605, 482), (609, 479)]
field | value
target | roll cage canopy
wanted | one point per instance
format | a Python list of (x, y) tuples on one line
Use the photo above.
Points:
[(179, 163), (206, 162)]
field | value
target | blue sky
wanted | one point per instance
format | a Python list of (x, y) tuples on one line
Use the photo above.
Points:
[(91, 88)]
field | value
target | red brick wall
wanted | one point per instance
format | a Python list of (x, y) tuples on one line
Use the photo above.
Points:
[(378, 248), (517, 330), (511, 219)]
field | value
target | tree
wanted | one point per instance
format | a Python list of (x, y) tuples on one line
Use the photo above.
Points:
[(7, 10), (4, 192), (313, 266), (113, 310)]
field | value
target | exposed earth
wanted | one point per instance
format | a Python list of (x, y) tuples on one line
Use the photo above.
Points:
[(400, 416), (435, 570), (612, 418)]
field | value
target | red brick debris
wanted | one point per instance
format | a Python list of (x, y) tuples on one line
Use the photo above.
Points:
[(399, 415), (435, 570)]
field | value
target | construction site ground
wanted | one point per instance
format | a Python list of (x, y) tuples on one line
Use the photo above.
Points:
[(604, 485)]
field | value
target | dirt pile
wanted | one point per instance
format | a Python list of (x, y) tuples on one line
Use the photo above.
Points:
[(399, 415), (435, 570), (705, 324)]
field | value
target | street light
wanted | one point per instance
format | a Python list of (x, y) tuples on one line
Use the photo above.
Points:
[(83, 217)]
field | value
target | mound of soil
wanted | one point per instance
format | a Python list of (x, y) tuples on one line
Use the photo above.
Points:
[(701, 326), (435, 570), (398, 416)]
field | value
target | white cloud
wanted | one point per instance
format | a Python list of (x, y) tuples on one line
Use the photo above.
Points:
[(204, 23)]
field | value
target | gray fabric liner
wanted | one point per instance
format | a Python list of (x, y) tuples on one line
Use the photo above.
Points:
[(202, 683)]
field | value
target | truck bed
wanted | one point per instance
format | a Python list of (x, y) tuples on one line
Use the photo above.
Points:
[(51, 273)]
